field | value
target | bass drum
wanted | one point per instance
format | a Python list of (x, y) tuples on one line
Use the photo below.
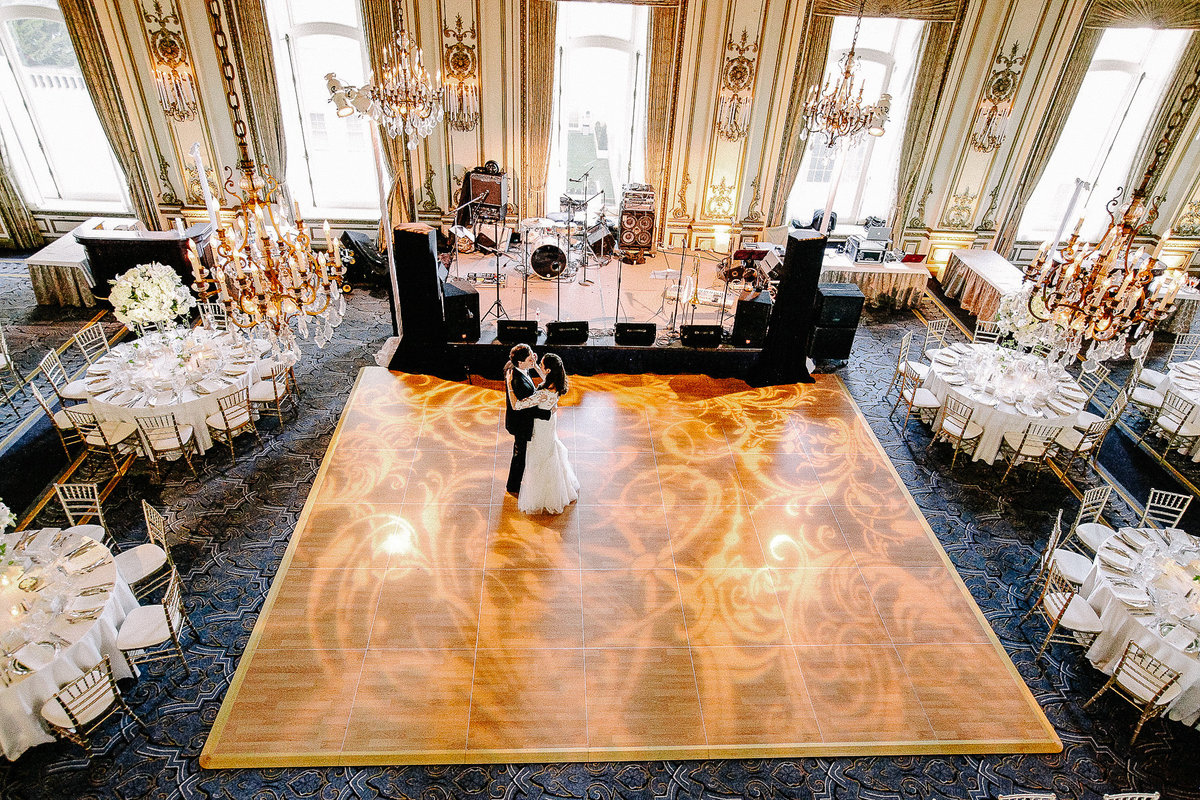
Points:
[(546, 258)]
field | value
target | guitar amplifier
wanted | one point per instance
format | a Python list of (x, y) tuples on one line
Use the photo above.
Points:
[(494, 189)]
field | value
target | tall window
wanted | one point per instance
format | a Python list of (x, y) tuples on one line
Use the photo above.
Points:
[(887, 54), (599, 99), (1123, 87), (331, 171), (60, 154)]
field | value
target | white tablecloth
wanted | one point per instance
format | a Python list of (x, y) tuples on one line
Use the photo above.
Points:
[(1184, 379), (21, 725), (206, 371), (1015, 378), (978, 279), (894, 284), (1124, 622), (1180, 320)]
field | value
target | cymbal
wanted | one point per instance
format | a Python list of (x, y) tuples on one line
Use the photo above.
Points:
[(459, 230), (536, 222)]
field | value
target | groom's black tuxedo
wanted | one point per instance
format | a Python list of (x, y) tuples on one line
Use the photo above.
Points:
[(519, 422)]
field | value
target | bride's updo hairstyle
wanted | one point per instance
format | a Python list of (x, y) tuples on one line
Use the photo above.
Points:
[(556, 375)]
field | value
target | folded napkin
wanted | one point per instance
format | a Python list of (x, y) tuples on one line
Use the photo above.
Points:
[(85, 603), (960, 348), (1181, 637), (36, 655), (1114, 560), (210, 385), (1130, 595), (1073, 393), (1059, 406)]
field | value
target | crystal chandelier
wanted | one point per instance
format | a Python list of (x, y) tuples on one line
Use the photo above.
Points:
[(1104, 293), (402, 98), (266, 273), (1108, 293), (837, 111)]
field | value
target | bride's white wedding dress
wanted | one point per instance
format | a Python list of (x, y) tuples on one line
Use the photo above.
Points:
[(549, 484)]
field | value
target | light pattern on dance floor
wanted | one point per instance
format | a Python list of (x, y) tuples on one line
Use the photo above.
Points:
[(744, 575)]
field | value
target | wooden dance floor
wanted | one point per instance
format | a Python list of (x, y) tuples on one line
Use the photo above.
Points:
[(744, 576)]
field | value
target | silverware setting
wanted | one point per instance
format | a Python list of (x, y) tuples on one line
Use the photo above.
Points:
[(92, 567), (83, 616), (59, 538), (26, 539), (93, 590), (83, 548)]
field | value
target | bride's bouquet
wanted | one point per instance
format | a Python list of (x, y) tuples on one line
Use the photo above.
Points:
[(149, 294)]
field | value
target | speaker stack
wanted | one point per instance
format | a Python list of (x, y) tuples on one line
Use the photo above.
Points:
[(635, 234), (566, 332), (836, 311), (460, 303), (750, 321), (635, 334), (517, 331)]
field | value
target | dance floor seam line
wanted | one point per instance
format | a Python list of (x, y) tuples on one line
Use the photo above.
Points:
[(761, 619)]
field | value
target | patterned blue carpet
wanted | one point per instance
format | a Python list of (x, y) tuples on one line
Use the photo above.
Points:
[(232, 525)]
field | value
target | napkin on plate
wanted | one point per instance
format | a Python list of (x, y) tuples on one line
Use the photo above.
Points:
[(1117, 561), (1182, 637), (210, 385), (36, 655), (85, 603)]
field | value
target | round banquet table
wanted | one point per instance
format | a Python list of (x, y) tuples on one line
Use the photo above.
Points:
[(1184, 379), (179, 372), (56, 631), (1006, 391), (1137, 585)]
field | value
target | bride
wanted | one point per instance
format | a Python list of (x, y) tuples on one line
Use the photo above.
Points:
[(549, 484)]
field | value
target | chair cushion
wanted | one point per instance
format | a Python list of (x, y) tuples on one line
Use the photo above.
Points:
[(1137, 685), (953, 427), (1086, 418), (75, 390), (1013, 440), (1152, 378), (1093, 534), (145, 626), (237, 418), (1184, 428), (62, 421), (53, 712), (916, 368), (140, 562), (922, 398), (1146, 397), (167, 441), (1072, 566), (1071, 438), (1079, 615), (114, 430), (265, 391)]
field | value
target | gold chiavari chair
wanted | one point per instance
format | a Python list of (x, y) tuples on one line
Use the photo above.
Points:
[(233, 417), (276, 392), (1088, 531), (1071, 620), (79, 708), (92, 342), (151, 633), (1164, 509), (166, 438), (916, 398), (111, 437), (51, 367), (7, 366), (957, 428), (1149, 684), (68, 434), (986, 332), (1085, 444), (1174, 422), (1032, 446)]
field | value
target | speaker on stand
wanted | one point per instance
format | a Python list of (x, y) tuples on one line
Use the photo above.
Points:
[(422, 348), (785, 348)]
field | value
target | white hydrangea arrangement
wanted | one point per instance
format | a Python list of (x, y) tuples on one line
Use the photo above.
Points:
[(149, 294), (7, 517)]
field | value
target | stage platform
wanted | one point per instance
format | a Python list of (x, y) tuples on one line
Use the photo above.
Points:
[(744, 575)]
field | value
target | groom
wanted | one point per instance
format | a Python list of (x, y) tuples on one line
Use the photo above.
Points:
[(519, 416)]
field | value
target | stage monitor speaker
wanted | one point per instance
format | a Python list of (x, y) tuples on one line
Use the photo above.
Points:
[(831, 344), (460, 302), (370, 266), (635, 334), (700, 335), (566, 332), (838, 305), (517, 331), (750, 321), (636, 230), (494, 189)]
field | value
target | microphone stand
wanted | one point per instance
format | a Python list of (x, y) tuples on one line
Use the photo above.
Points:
[(454, 215)]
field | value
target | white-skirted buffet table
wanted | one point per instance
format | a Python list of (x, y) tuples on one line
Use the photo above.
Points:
[(61, 608), (978, 279), (181, 372), (1006, 391), (1142, 586), (893, 284)]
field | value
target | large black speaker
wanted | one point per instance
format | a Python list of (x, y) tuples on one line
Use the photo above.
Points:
[(566, 332), (700, 335), (750, 321), (838, 305), (831, 343), (783, 355), (517, 331), (635, 334), (420, 288), (460, 302), (370, 266)]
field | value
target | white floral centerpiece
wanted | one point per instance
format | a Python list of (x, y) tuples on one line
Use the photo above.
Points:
[(7, 518), (149, 294)]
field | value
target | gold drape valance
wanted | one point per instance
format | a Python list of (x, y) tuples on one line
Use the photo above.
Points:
[(924, 10), (1144, 14)]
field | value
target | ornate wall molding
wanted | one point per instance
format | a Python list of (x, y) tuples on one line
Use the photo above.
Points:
[(429, 203), (460, 75), (681, 211), (1188, 222), (926, 10), (994, 108), (917, 220), (752, 212), (168, 196), (173, 73), (720, 199), (1144, 14), (737, 88), (989, 217), (958, 214)]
